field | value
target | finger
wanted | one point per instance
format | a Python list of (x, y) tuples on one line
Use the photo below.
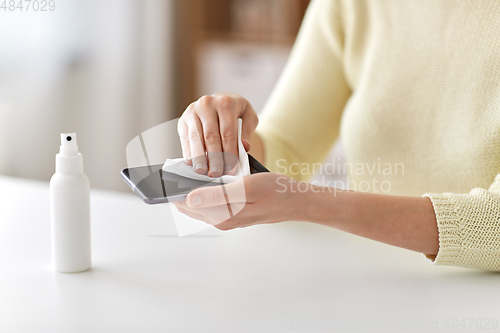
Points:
[(248, 126), (211, 215), (217, 195), (197, 147), (217, 216), (231, 162), (206, 197), (184, 137), (229, 132), (191, 214), (211, 135), (236, 223)]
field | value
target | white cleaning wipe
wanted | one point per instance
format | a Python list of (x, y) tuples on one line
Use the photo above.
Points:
[(179, 167)]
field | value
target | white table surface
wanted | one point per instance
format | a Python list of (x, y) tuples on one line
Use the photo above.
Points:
[(287, 277)]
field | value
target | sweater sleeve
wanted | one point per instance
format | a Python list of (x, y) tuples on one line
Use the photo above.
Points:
[(301, 120), (469, 227)]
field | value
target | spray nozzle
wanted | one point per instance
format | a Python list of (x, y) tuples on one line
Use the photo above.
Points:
[(68, 144)]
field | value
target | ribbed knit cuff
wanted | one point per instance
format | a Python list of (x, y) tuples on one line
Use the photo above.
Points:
[(448, 227)]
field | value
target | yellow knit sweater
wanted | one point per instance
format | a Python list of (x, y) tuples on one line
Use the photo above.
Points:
[(413, 90)]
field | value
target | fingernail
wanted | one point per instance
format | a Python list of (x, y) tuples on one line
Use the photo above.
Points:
[(214, 169), (198, 166), (229, 168), (194, 201)]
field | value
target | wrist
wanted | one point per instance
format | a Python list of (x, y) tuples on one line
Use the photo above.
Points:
[(322, 205)]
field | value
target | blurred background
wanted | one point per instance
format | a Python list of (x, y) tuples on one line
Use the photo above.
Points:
[(111, 69)]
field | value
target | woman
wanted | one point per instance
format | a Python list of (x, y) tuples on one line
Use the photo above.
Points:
[(410, 83)]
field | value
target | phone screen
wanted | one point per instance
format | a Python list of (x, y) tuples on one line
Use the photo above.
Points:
[(153, 185)]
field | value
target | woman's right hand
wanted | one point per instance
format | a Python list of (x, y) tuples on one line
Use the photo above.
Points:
[(211, 125)]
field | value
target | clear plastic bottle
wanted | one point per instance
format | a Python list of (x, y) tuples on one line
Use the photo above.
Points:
[(70, 210)]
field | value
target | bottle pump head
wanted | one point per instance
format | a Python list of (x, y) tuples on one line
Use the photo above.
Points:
[(68, 144), (69, 160)]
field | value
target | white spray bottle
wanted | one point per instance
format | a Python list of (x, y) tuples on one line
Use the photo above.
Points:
[(70, 210)]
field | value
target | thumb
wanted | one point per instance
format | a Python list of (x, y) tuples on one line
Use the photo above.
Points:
[(212, 196), (248, 125)]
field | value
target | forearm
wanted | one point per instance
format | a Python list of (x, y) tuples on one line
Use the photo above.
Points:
[(407, 222)]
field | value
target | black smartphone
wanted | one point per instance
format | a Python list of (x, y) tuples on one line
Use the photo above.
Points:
[(153, 185)]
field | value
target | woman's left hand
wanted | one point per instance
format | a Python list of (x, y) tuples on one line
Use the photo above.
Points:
[(254, 199), (407, 222)]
